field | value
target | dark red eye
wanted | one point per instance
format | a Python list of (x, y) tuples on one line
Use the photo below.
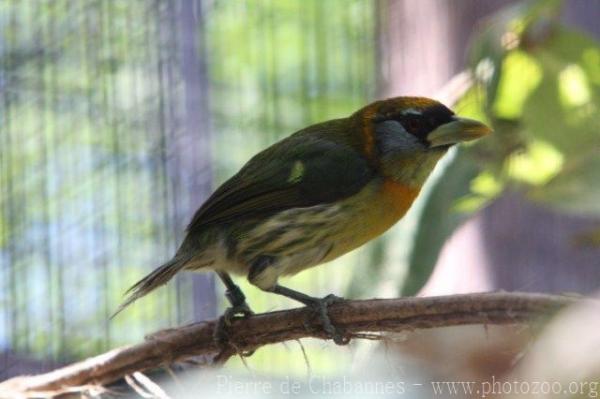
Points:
[(412, 125)]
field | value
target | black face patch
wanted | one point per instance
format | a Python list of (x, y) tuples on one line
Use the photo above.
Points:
[(420, 122)]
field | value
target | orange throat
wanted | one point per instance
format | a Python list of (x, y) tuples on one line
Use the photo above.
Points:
[(374, 210), (397, 198)]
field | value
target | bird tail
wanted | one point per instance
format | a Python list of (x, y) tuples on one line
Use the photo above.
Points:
[(158, 277)]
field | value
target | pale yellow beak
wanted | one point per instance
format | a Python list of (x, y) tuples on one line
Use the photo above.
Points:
[(457, 131)]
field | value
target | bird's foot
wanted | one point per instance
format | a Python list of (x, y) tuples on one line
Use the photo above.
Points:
[(320, 307), (238, 311)]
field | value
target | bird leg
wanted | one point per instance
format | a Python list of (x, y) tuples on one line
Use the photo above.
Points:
[(319, 305), (238, 307), (235, 296)]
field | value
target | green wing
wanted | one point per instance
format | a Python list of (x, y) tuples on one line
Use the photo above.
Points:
[(300, 171)]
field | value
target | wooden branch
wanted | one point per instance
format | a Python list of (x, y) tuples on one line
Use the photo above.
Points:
[(355, 318)]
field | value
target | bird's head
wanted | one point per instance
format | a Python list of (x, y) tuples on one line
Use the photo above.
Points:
[(406, 136)]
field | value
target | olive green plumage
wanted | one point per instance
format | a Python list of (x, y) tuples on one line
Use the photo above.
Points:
[(316, 195), (308, 168)]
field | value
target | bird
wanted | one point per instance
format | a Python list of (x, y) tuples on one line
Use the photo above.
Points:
[(313, 196)]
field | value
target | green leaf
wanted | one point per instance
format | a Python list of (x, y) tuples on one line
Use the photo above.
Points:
[(535, 165), (439, 219), (563, 109), (575, 189), (521, 75), (543, 103), (503, 32)]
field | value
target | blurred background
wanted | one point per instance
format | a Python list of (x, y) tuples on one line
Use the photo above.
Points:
[(118, 118)]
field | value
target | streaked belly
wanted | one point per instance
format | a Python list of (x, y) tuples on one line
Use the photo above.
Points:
[(304, 237)]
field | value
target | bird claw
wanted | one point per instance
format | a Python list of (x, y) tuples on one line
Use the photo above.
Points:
[(320, 307), (241, 311)]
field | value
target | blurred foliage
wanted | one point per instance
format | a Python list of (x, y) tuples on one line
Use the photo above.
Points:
[(537, 83), (82, 173), (439, 218), (91, 100)]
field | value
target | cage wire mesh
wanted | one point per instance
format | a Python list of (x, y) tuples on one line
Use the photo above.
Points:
[(116, 120), (92, 100)]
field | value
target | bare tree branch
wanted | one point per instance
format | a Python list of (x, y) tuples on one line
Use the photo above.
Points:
[(353, 317)]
